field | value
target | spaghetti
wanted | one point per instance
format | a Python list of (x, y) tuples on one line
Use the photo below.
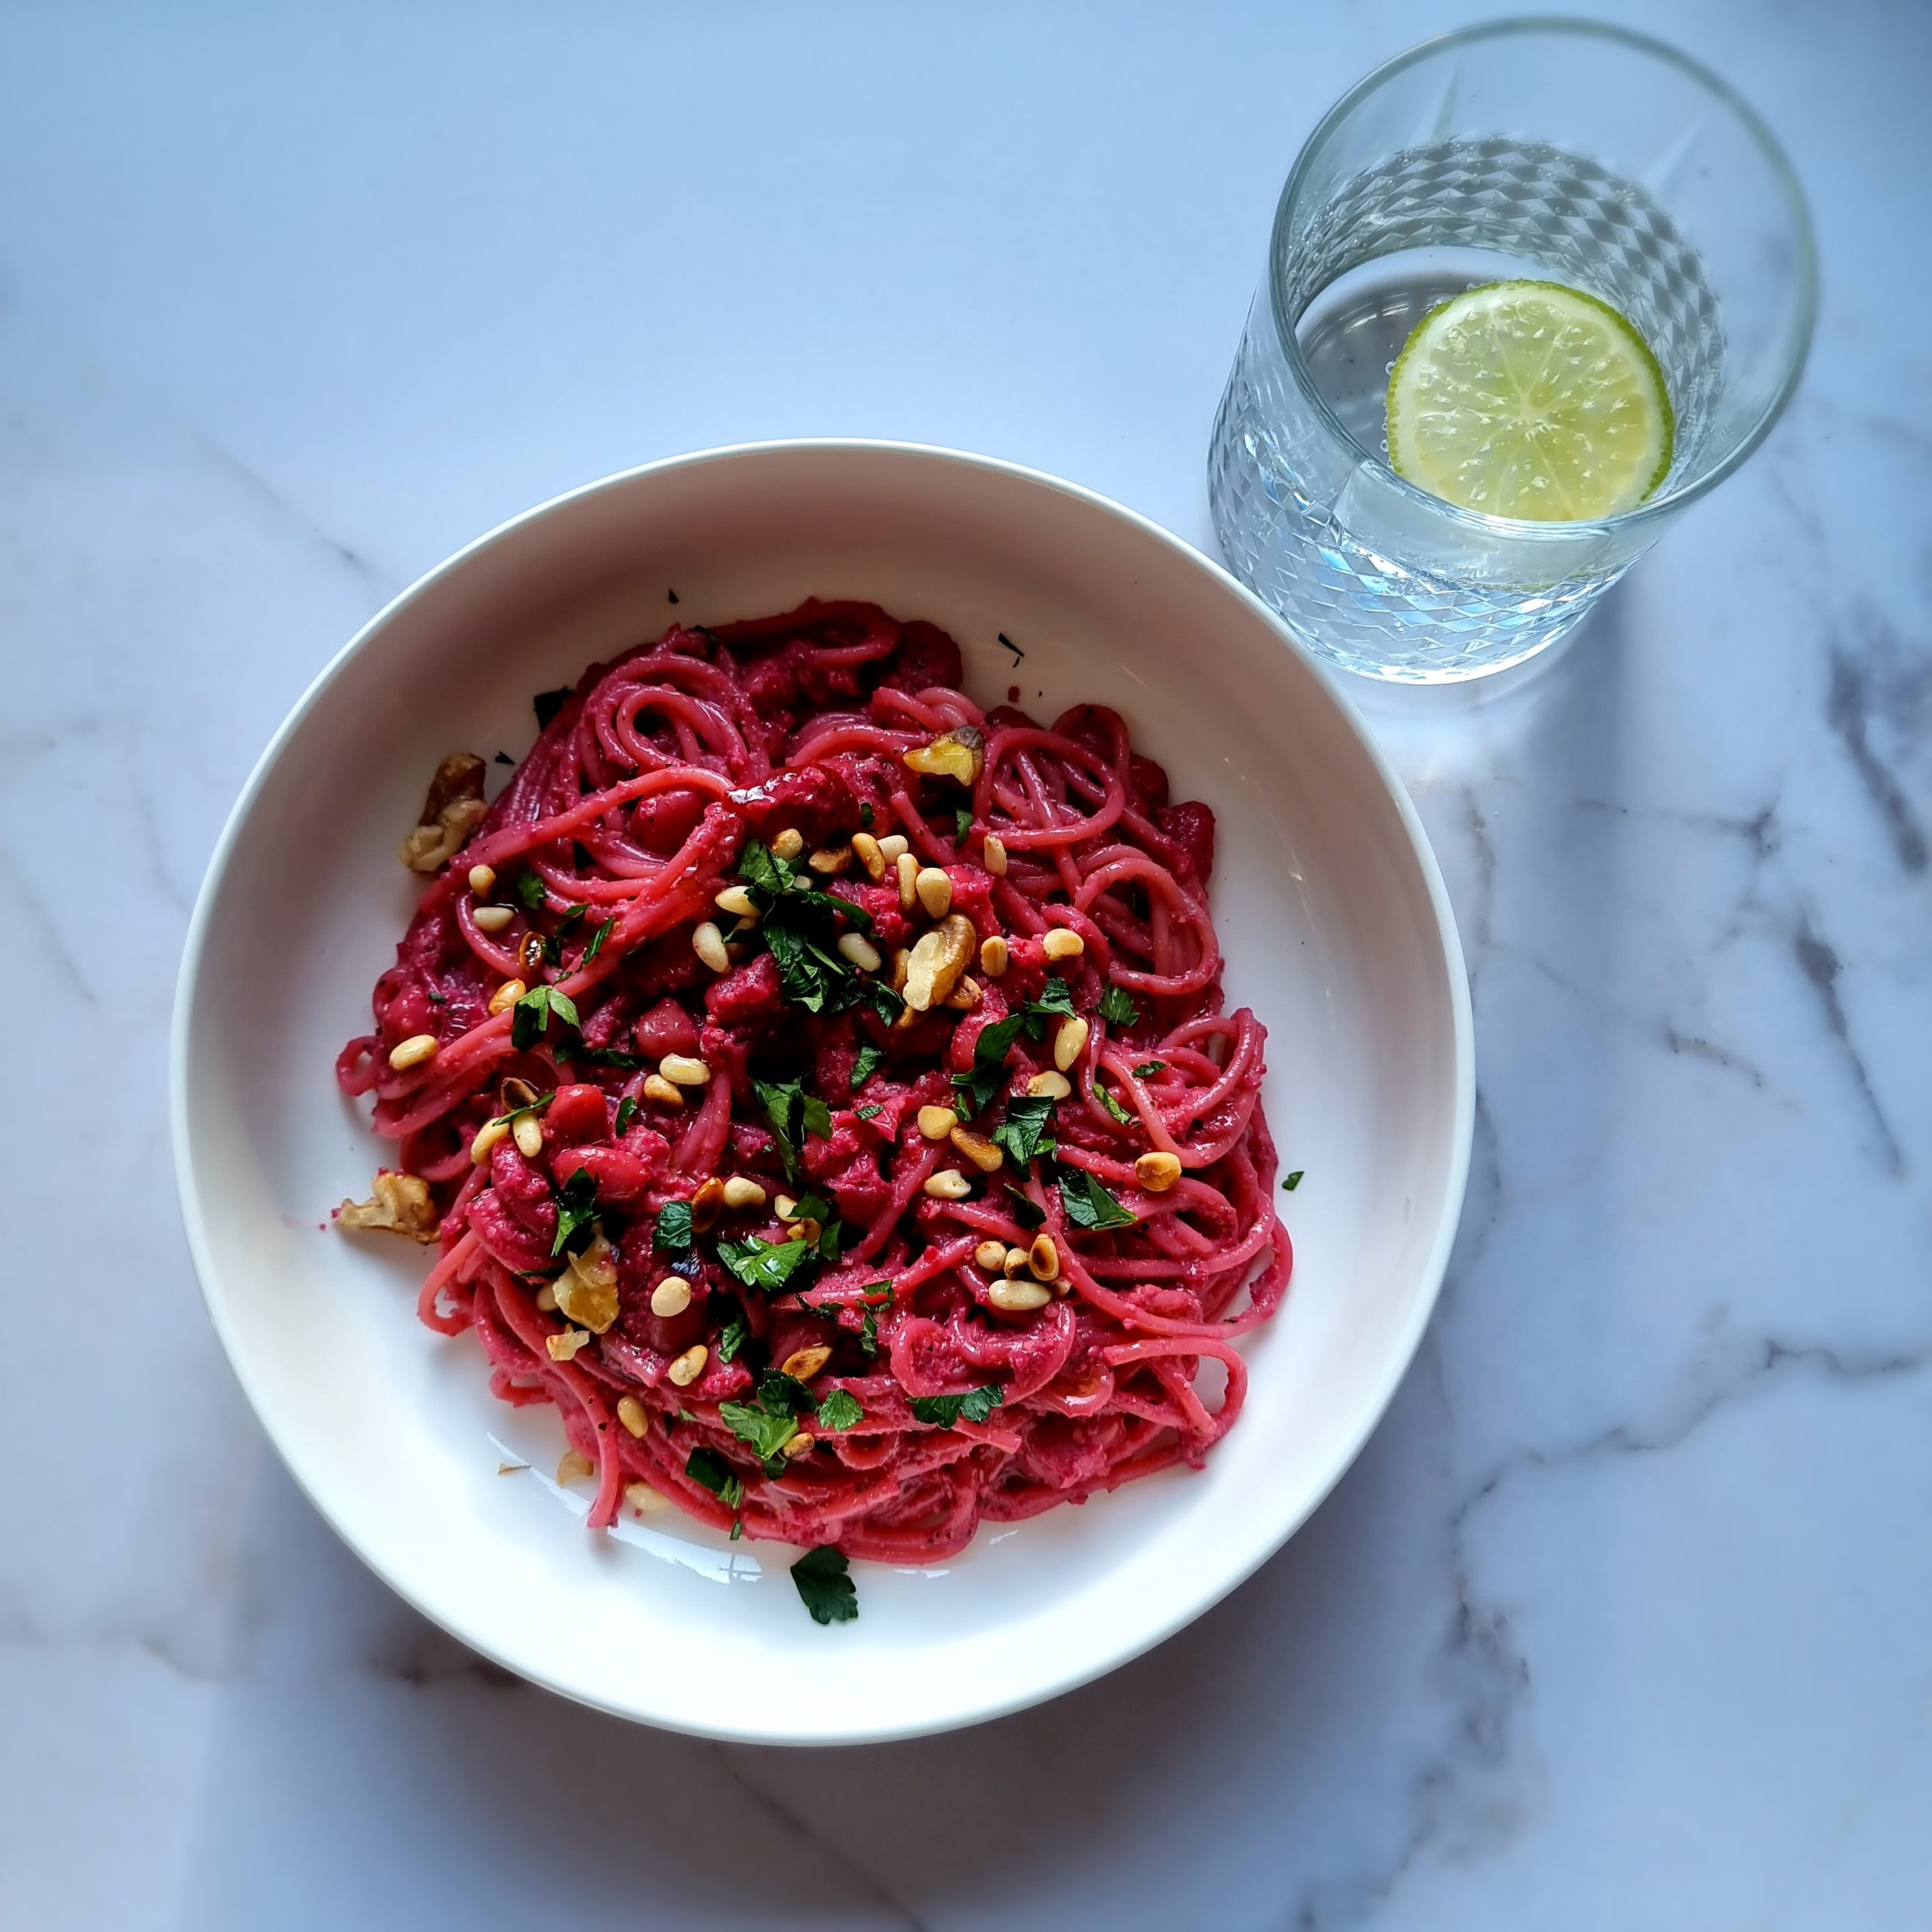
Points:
[(820, 1091)]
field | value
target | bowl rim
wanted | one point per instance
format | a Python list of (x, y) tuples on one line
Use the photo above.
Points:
[(1108, 1657)]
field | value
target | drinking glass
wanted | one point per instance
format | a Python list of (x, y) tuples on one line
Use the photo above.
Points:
[(1558, 150)]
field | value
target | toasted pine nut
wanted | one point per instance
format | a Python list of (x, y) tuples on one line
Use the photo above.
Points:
[(642, 1497), (989, 1254), (994, 958), (707, 1203), (527, 1132), (799, 1445), (1018, 1297), (739, 1192), (546, 1298), (507, 995), (866, 847), (801, 1364), (736, 900), (631, 1413), (656, 1088), (515, 1093), (1070, 1041), (671, 1296), (683, 1071), (806, 1229), (831, 860), (530, 951), (1015, 1263), (977, 1148), (948, 1184), (413, 1051), (894, 847), (935, 891), (707, 942), (1157, 1172), (487, 1135), (936, 1122), (860, 951), (994, 853), (482, 880), (576, 1466), (1063, 943), (1043, 1258), (492, 919), (786, 1208), (909, 874), (690, 1365), (1054, 1086), (788, 844)]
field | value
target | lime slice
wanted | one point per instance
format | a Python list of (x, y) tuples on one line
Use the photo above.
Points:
[(1528, 399)]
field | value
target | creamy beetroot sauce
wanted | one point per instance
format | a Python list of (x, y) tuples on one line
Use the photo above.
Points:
[(637, 803)]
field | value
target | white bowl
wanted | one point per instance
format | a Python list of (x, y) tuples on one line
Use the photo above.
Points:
[(1336, 931)]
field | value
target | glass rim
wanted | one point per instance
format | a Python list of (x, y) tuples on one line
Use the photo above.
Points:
[(1754, 125)]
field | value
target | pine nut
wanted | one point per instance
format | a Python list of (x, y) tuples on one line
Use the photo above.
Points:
[(642, 1497), (788, 844), (977, 1148), (690, 1365), (682, 1071), (506, 996), (707, 942), (894, 847), (671, 1296), (527, 1132), (1015, 1263), (1157, 1172), (786, 1208), (631, 1414), (1043, 1258), (909, 873), (831, 860), (948, 1184), (530, 952), (1063, 943), (936, 1122), (860, 951), (413, 1051), (707, 1203), (575, 1466), (736, 900), (1018, 1297), (482, 880), (739, 1192), (989, 1254), (798, 1446), (656, 1088), (806, 1229), (995, 853), (514, 1093), (994, 958), (487, 1135), (492, 919), (801, 1364), (1069, 1042), (935, 891), (867, 850), (1052, 1086)]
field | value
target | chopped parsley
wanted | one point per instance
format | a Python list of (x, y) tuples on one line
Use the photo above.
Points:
[(576, 1210), (1293, 1181), (764, 1264), (865, 814), (1024, 1129), (1088, 1205), (597, 940), (707, 1467), (530, 889), (782, 1394), (733, 1338), (767, 1434), (824, 1587), (1113, 1106), (1024, 1209), (1117, 1009), (869, 1061), (547, 704), (1018, 655), (626, 1108), (611, 1056), (532, 1107), (990, 1048), (866, 1113), (800, 928), (793, 1114), (531, 1014), (673, 1234), (839, 1411), (1147, 1068), (504, 757), (962, 823), (1056, 997), (975, 1404)]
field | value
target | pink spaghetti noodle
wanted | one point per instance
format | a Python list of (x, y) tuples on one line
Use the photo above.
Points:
[(821, 1244)]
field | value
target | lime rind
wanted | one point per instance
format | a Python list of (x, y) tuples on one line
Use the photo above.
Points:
[(1531, 400)]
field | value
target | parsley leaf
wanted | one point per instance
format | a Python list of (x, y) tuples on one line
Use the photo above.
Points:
[(707, 1467), (1088, 1205), (673, 1234), (1293, 1181), (824, 1588), (1027, 1118), (1023, 1210), (962, 823), (800, 928), (597, 940), (577, 1209), (547, 704), (1147, 1068), (530, 889), (733, 1338), (1113, 1106), (763, 1264), (793, 1114), (533, 1107), (782, 1394), (990, 1051), (626, 1107), (866, 1113), (610, 1056), (869, 1060), (532, 1015), (975, 1404), (1117, 1009), (1056, 998), (840, 1410), (868, 1331), (767, 1434), (865, 814)]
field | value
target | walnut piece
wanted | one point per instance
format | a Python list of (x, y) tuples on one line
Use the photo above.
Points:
[(400, 1205), (452, 810)]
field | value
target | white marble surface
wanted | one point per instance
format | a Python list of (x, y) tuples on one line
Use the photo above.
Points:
[(1621, 1619)]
